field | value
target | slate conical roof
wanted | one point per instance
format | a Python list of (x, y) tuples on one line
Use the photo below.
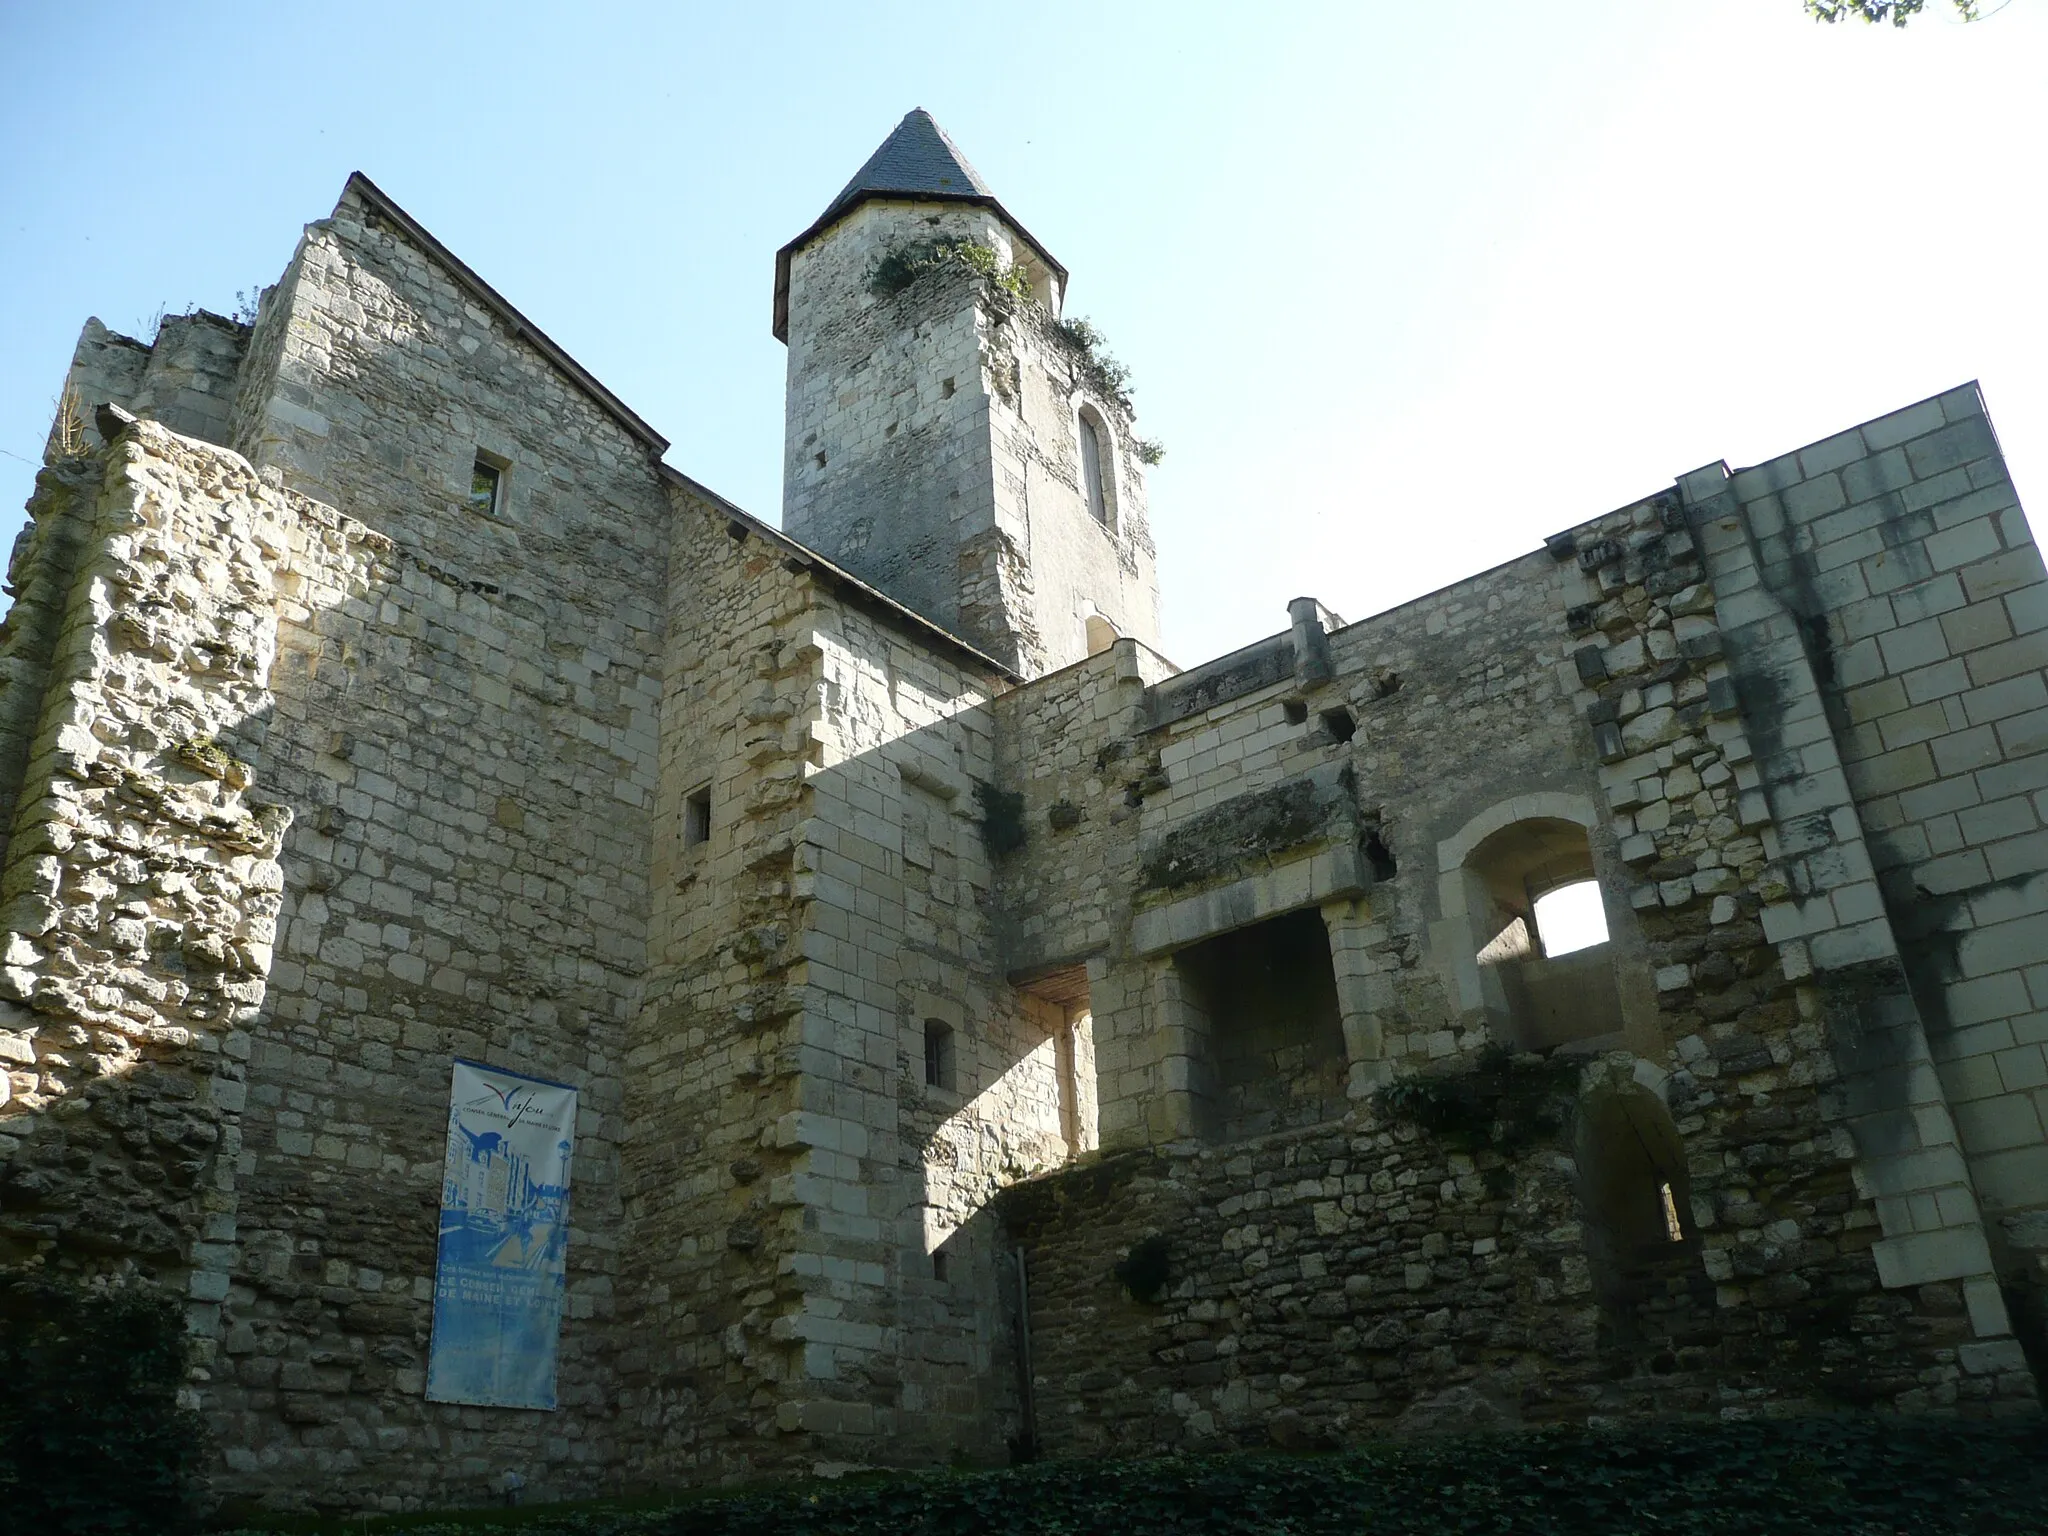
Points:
[(916, 161)]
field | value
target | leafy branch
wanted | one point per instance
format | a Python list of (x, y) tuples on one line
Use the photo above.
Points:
[(1897, 12), (1101, 371)]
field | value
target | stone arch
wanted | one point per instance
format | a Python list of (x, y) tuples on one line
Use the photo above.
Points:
[(1491, 872), (1551, 805), (1635, 1195)]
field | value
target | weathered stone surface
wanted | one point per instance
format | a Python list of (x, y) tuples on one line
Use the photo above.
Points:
[(1247, 831), (318, 773)]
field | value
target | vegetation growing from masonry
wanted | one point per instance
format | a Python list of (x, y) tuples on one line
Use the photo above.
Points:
[(1502, 1100), (71, 438), (1008, 285), (901, 267), (1098, 368), (92, 1439), (1844, 1477)]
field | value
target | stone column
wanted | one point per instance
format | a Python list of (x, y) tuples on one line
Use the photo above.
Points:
[(1182, 1100), (1365, 990)]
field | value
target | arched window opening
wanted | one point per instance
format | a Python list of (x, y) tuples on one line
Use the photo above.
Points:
[(1637, 1202), (1539, 932), (1098, 487)]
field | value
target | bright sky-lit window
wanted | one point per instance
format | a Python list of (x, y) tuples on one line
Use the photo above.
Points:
[(1570, 918)]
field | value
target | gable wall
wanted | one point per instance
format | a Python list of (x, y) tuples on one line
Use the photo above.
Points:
[(471, 748)]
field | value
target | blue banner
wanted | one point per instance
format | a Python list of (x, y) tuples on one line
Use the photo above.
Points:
[(504, 1237)]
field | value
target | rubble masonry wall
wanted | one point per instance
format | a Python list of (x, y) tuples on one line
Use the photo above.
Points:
[(1308, 1266)]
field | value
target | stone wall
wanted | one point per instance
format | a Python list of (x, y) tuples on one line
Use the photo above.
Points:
[(842, 931), (471, 747), (189, 386), (1066, 745), (821, 1284), (142, 884), (1899, 553), (40, 572), (1362, 1279), (711, 1068), (104, 367), (1643, 681), (910, 1361), (1435, 717)]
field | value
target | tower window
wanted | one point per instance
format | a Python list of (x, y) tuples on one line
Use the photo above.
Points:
[(938, 1054), (486, 486), (1093, 486)]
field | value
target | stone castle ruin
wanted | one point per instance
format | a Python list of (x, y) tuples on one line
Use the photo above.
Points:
[(989, 1036)]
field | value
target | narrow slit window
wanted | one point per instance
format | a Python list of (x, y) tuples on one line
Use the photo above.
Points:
[(1673, 1227), (697, 817), (486, 485), (938, 1054), (939, 1266), (1091, 472)]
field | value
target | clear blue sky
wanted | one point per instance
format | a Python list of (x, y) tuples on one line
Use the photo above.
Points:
[(1404, 286)]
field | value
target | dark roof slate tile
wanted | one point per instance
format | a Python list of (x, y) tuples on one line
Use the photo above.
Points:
[(918, 159)]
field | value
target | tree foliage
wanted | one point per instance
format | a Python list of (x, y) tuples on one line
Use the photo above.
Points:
[(1897, 12)]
